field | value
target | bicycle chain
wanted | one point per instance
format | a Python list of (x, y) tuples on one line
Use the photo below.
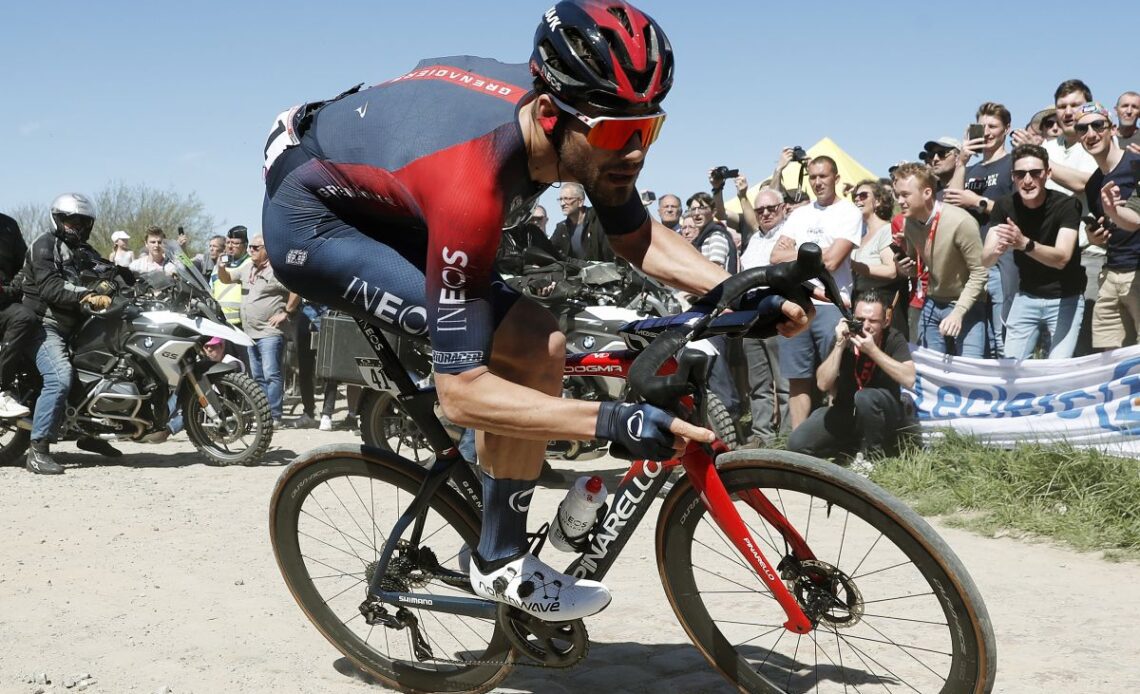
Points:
[(522, 658)]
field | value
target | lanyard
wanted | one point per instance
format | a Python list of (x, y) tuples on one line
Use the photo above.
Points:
[(864, 369), (922, 274)]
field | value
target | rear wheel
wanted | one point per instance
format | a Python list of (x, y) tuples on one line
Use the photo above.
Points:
[(330, 517), (13, 442), (893, 607), (722, 423)]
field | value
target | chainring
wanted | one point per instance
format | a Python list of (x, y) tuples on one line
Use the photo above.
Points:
[(549, 644)]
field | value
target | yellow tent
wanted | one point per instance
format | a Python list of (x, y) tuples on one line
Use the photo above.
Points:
[(850, 171)]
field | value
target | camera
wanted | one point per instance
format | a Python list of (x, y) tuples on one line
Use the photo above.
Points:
[(723, 172), (648, 196), (854, 326), (799, 155)]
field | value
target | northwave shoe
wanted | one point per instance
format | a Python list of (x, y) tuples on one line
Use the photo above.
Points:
[(535, 588)]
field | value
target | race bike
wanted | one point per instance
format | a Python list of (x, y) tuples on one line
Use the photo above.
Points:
[(133, 360), (789, 573)]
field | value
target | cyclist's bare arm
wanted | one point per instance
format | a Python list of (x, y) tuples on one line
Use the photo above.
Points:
[(481, 400), (666, 256)]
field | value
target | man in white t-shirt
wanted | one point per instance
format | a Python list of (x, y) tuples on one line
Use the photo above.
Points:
[(767, 388), (153, 257), (836, 226)]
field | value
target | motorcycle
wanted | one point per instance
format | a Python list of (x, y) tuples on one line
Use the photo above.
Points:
[(130, 359)]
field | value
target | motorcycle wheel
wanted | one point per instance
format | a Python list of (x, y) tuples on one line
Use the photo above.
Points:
[(720, 421), (13, 443), (246, 427)]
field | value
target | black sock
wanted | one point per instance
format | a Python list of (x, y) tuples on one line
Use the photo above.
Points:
[(505, 505)]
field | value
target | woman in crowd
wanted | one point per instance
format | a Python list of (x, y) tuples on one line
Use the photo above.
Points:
[(120, 249), (873, 262)]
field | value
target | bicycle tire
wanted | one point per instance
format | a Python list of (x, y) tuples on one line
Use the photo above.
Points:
[(928, 585), (384, 424), (722, 423), (296, 535)]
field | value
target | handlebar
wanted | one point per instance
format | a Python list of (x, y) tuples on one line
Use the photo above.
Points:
[(763, 289)]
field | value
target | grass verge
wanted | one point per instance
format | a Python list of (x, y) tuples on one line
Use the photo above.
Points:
[(1081, 497)]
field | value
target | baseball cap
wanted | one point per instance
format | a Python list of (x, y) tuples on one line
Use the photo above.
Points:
[(943, 142), (1041, 115), (238, 232), (1093, 108), (120, 235), (215, 341)]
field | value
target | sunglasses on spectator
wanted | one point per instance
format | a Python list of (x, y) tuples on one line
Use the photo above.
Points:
[(1019, 174), (939, 153), (613, 132), (767, 209), (1048, 123), (862, 195), (1098, 125), (255, 247)]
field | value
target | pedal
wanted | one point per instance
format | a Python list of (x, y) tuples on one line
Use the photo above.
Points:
[(551, 644)]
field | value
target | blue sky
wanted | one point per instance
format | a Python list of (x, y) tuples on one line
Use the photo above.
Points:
[(180, 95)]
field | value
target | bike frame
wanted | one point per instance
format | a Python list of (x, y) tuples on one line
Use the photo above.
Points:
[(630, 503)]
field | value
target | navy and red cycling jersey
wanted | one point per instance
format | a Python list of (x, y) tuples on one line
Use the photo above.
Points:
[(431, 162)]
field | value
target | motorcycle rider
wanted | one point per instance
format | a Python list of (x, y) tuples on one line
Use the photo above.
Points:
[(52, 289), (17, 322)]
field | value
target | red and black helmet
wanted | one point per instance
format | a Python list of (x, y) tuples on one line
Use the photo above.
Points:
[(606, 54)]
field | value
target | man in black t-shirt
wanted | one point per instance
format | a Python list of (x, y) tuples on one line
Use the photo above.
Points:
[(863, 372), (1038, 227), (975, 189), (1116, 313)]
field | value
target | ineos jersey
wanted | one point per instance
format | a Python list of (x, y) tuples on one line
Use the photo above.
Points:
[(439, 148)]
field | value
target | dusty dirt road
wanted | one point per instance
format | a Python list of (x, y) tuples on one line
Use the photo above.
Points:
[(153, 572)]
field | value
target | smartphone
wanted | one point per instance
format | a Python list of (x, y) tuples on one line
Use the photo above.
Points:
[(975, 131), (900, 252), (1135, 172), (181, 231)]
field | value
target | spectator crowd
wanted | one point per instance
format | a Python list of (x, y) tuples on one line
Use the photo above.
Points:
[(1014, 242)]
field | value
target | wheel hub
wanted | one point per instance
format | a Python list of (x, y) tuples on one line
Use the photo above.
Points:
[(826, 594)]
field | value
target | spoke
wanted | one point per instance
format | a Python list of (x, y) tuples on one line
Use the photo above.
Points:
[(329, 599), (842, 537), (333, 547), (900, 597), (760, 636), (871, 573), (860, 652), (327, 566), (731, 558), (344, 536), (906, 619), (869, 550), (334, 528), (888, 641), (735, 583)]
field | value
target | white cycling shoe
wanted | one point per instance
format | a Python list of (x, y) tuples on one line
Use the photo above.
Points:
[(530, 585)]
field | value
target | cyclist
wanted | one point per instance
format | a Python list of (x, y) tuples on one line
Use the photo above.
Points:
[(390, 202)]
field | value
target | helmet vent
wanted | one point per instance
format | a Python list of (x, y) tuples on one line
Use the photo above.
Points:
[(581, 48), (620, 14)]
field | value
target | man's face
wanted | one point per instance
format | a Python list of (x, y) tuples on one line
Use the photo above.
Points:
[(235, 248), (995, 132), (257, 251), (700, 213), (538, 217), (1128, 110), (873, 316), (913, 198), (1050, 127), (942, 160), (216, 246), (769, 210), (1029, 176), (154, 247), (669, 210), (1097, 143), (823, 180), (610, 175), (570, 202), (1068, 108)]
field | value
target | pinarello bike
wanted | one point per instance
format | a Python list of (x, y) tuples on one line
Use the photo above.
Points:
[(787, 572)]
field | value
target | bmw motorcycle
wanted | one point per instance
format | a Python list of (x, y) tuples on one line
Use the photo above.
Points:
[(145, 353)]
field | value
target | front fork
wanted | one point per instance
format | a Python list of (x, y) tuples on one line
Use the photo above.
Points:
[(703, 475), (203, 390)]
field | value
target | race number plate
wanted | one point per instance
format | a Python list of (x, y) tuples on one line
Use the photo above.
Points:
[(373, 374)]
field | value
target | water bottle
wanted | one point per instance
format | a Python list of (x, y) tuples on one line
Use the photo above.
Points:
[(578, 512)]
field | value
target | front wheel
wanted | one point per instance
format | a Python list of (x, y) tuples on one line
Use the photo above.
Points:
[(244, 427), (385, 424), (13, 442), (330, 517), (893, 607)]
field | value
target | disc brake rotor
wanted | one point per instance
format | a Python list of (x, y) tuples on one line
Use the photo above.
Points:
[(827, 595)]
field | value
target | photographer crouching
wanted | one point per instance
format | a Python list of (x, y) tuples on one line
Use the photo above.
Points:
[(863, 372)]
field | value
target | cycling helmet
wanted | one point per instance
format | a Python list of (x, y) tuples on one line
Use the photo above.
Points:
[(72, 217), (606, 54)]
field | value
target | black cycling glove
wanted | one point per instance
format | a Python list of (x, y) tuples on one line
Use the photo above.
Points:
[(641, 431)]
